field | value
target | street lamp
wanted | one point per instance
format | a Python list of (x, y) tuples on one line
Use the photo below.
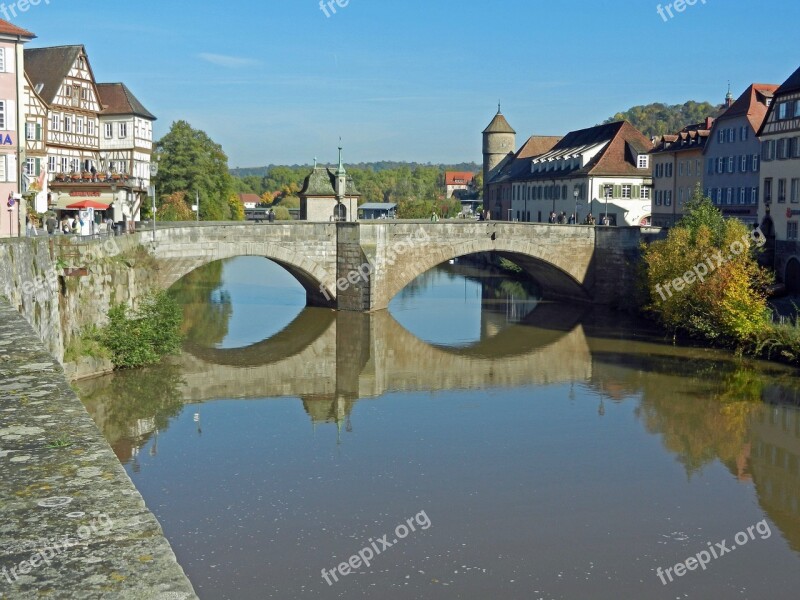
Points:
[(608, 193), (153, 173), (576, 193)]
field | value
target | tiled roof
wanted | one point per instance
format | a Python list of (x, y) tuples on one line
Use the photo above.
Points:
[(621, 144), (499, 125), (117, 99), (790, 85), (518, 165), (49, 67), (245, 198), (322, 182), (458, 177), (690, 137), (752, 104), (7, 28)]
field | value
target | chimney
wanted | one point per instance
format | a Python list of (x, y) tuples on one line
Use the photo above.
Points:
[(709, 123)]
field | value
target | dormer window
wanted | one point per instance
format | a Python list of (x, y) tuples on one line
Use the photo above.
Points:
[(643, 161)]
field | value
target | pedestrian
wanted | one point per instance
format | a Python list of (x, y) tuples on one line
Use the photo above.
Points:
[(553, 218), (51, 224), (271, 216), (434, 217), (572, 219), (606, 221)]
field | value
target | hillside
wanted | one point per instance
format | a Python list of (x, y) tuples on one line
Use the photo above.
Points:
[(659, 119), (375, 167)]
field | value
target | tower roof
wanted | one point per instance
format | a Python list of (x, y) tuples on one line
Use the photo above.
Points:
[(499, 125), (9, 29)]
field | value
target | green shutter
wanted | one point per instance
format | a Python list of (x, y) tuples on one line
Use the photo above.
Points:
[(617, 191), (38, 132), (637, 192), (38, 167)]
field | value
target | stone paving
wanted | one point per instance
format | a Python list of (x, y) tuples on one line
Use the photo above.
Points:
[(72, 524)]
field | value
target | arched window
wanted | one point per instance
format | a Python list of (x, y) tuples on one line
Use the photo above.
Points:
[(340, 212)]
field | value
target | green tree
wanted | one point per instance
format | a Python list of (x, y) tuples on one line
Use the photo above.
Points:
[(175, 208), (282, 214), (193, 163), (704, 279), (660, 119), (236, 208)]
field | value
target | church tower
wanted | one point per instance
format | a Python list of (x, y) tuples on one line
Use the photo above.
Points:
[(499, 139)]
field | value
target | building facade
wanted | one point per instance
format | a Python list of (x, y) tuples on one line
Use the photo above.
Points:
[(780, 179), (329, 195), (97, 138), (677, 171), (458, 181), (732, 155), (12, 144), (604, 170)]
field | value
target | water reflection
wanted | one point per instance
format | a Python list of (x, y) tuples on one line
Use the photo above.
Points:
[(532, 429)]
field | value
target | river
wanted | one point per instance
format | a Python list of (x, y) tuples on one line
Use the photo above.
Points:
[(470, 442)]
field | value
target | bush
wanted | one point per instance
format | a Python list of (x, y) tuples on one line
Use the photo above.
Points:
[(727, 304), (143, 337), (282, 213)]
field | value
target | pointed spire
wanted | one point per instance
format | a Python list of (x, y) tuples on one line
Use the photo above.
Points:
[(498, 108), (341, 169), (729, 96)]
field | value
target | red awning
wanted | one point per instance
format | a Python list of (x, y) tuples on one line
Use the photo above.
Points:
[(88, 204)]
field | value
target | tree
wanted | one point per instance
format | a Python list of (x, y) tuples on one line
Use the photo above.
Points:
[(660, 119), (175, 208), (282, 214), (236, 208), (704, 279), (193, 163)]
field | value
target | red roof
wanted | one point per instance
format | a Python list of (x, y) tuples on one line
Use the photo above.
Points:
[(458, 177), (246, 198), (7, 28), (752, 104)]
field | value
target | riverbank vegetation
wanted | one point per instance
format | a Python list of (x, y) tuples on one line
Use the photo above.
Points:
[(140, 337), (704, 281)]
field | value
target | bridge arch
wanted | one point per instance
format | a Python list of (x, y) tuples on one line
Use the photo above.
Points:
[(309, 257), (560, 277)]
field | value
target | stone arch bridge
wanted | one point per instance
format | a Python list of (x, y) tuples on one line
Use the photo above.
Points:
[(361, 266)]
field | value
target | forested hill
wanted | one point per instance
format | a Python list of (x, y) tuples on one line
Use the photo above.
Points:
[(376, 167), (660, 119)]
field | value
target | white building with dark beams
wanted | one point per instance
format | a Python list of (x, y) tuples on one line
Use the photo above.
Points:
[(780, 179)]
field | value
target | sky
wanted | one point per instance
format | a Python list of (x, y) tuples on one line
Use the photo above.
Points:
[(279, 82)]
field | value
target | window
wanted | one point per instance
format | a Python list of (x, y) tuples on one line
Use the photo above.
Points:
[(720, 165), (30, 167), (645, 193), (64, 164), (643, 162), (795, 191), (768, 150), (781, 191), (744, 133), (668, 198), (90, 127), (721, 136), (2, 114), (30, 130), (680, 168), (109, 130), (697, 167), (756, 163), (754, 196), (781, 150), (797, 108), (791, 230), (796, 144), (743, 166), (55, 122), (742, 196), (719, 195), (783, 111), (68, 91), (67, 124), (74, 165), (84, 93), (731, 164), (626, 191), (51, 164), (79, 125), (711, 162), (768, 190), (669, 170), (680, 196), (729, 196), (123, 130)]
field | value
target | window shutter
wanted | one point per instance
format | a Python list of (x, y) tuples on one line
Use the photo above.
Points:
[(38, 167), (637, 192), (617, 191), (8, 59), (38, 132)]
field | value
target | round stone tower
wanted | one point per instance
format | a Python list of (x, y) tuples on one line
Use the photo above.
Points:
[(499, 138)]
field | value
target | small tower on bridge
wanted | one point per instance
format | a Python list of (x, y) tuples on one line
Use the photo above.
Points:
[(499, 140)]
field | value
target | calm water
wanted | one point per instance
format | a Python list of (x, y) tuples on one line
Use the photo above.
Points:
[(540, 451)]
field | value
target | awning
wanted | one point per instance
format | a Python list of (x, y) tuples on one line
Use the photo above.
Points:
[(88, 203), (64, 201)]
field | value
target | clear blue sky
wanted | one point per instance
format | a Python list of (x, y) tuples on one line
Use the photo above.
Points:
[(276, 81)]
